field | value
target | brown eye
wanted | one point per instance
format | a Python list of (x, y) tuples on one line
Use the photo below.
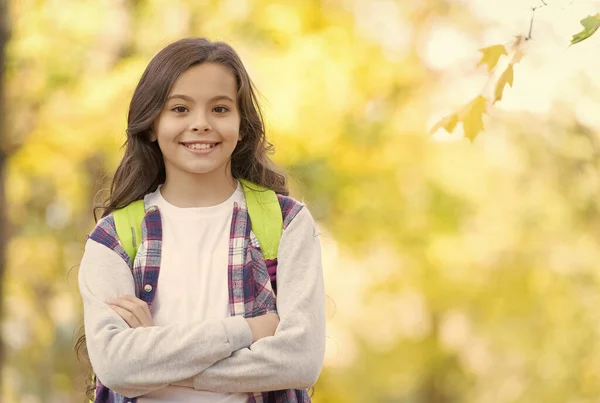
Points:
[(180, 109), (220, 109)]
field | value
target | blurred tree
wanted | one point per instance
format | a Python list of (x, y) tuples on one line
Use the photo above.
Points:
[(3, 157), (461, 273)]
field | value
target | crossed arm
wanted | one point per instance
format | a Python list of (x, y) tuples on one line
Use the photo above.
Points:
[(214, 355)]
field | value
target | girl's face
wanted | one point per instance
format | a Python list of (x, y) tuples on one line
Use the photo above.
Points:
[(198, 127)]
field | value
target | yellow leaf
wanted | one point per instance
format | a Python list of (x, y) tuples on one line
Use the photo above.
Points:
[(506, 78), (472, 117), (491, 55), (448, 123)]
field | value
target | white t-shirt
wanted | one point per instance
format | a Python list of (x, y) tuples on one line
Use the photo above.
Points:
[(193, 280)]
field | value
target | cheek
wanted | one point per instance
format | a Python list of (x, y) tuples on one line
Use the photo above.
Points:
[(230, 129), (167, 129)]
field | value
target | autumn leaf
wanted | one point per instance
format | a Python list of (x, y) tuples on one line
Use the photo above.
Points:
[(472, 117), (491, 55), (506, 78), (448, 123), (590, 25)]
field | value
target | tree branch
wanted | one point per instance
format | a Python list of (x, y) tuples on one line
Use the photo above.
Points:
[(544, 4)]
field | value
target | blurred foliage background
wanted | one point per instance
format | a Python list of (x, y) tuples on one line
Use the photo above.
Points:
[(456, 272)]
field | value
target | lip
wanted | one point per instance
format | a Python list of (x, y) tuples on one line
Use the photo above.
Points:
[(200, 151)]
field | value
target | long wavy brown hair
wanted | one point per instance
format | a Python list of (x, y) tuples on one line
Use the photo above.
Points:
[(142, 168)]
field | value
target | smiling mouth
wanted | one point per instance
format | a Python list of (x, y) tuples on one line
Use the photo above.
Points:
[(199, 146)]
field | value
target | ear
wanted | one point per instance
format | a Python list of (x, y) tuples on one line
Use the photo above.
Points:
[(152, 135)]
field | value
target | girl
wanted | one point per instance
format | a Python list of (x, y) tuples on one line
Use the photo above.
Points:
[(210, 327)]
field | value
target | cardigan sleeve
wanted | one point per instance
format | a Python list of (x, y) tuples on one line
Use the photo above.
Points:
[(137, 361), (293, 357)]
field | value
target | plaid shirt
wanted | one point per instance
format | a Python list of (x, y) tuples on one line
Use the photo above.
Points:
[(251, 279)]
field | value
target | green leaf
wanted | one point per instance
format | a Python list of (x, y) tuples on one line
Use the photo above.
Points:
[(590, 25), (491, 55), (506, 78)]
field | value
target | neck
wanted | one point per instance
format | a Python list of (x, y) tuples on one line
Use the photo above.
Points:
[(198, 190)]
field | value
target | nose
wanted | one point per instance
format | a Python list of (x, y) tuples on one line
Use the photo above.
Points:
[(200, 123)]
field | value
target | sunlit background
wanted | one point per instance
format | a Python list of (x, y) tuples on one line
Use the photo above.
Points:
[(455, 271)]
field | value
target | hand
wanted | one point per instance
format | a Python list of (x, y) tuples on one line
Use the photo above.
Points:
[(133, 310), (263, 326)]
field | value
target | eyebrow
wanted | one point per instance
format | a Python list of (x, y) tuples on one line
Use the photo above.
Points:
[(190, 99)]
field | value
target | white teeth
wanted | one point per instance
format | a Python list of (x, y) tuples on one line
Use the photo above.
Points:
[(197, 146)]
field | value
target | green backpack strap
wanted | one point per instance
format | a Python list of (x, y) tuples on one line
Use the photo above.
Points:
[(263, 208), (266, 217), (128, 223)]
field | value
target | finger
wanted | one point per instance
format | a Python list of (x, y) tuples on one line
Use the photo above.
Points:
[(142, 304), (134, 308), (127, 316), (123, 303), (147, 316)]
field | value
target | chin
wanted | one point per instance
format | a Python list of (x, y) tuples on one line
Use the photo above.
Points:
[(195, 167), (199, 171), (202, 170)]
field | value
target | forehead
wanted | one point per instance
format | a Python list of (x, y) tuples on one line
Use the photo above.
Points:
[(206, 80)]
